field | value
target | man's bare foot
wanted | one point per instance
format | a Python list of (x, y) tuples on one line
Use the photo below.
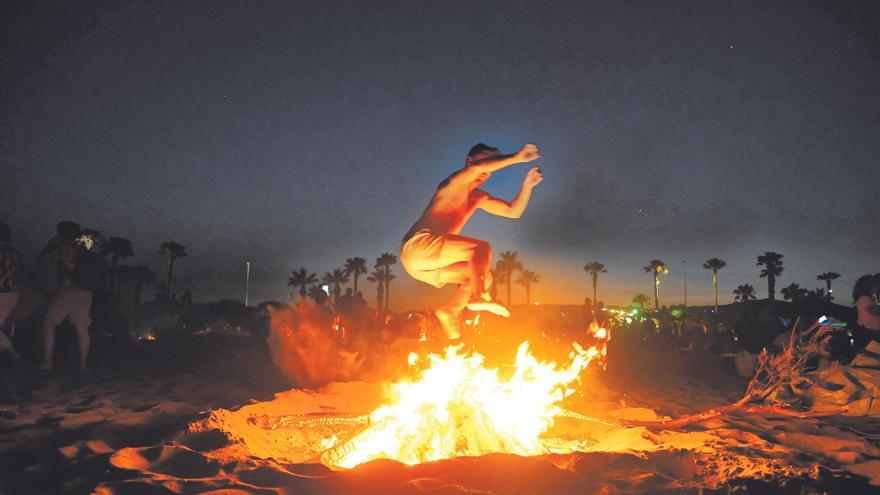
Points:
[(490, 306), (450, 322)]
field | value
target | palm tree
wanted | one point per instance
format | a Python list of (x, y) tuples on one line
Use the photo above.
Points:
[(385, 261), (336, 278), (594, 268), (656, 268), (744, 293), (827, 277), (640, 299), (378, 277), (303, 279), (793, 292), (498, 277), (507, 265), (174, 251), (526, 279), (116, 247), (355, 267), (772, 263), (715, 264)]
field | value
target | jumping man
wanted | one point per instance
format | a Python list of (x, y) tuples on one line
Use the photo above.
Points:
[(433, 251)]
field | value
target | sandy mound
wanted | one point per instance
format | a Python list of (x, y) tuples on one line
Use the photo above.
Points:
[(276, 446)]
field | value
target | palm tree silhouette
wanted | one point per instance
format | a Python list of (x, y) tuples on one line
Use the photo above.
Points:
[(772, 263), (656, 268), (639, 299), (355, 267), (336, 278), (526, 279), (594, 268), (715, 264), (116, 247), (497, 278), (827, 277), (385, 261), (508, 264), (378, 277), (793, 292), (744, 293), (174, 251), (303, 279)]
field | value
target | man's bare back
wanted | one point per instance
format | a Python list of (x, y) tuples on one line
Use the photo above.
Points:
[(433, 250)]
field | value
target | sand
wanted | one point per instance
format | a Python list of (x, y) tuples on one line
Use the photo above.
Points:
[(222, 424)]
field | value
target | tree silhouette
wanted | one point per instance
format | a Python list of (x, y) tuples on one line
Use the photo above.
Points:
[(174, 251), (827, 277), (772, 263), (378, 277), (656, 268), (526, 279), (303, 279), (715, 264), (336, 278), (744, 293), (508, 264), (385, 261), (793, 292), (116, 247), (594, 268), (355, 267), (639, 299), (497, 278)]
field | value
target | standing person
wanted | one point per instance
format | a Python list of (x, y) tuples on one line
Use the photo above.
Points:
[(865, 293), (55, 261), (74, 301), (8, 285), (433, 252)]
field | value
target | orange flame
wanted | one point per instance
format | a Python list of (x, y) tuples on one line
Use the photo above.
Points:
[(457, 407)]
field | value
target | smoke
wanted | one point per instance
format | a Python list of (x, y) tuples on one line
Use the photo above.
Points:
[(304, 347)]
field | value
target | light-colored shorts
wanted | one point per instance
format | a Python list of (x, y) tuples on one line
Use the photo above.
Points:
[(420, 256), (70, 302)]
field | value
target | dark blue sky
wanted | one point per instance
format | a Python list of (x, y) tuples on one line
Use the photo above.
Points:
[(298, 134)]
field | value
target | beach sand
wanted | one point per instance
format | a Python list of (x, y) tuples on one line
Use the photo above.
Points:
[(207, 415)]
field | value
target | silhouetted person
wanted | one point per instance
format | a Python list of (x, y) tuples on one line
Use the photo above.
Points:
[(865, 293), (433, 252), (345, 305), (55, 261), (74, 302), (8, 285), (187, 298), (360, 304)]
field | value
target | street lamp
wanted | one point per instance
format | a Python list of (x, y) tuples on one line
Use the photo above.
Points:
[(247, 283), (685, 283)]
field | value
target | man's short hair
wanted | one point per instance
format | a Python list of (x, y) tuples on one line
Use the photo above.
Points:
[(5, 234), (480, 150)]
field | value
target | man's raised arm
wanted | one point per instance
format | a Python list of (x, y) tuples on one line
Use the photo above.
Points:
[(526, 154), (517, 207)]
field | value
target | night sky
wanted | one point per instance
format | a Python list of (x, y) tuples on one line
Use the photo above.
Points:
[(295, 134)]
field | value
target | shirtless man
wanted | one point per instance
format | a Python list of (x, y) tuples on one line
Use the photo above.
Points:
[(433, 251)]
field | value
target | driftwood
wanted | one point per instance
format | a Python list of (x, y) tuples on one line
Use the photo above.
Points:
[(773, 371)]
